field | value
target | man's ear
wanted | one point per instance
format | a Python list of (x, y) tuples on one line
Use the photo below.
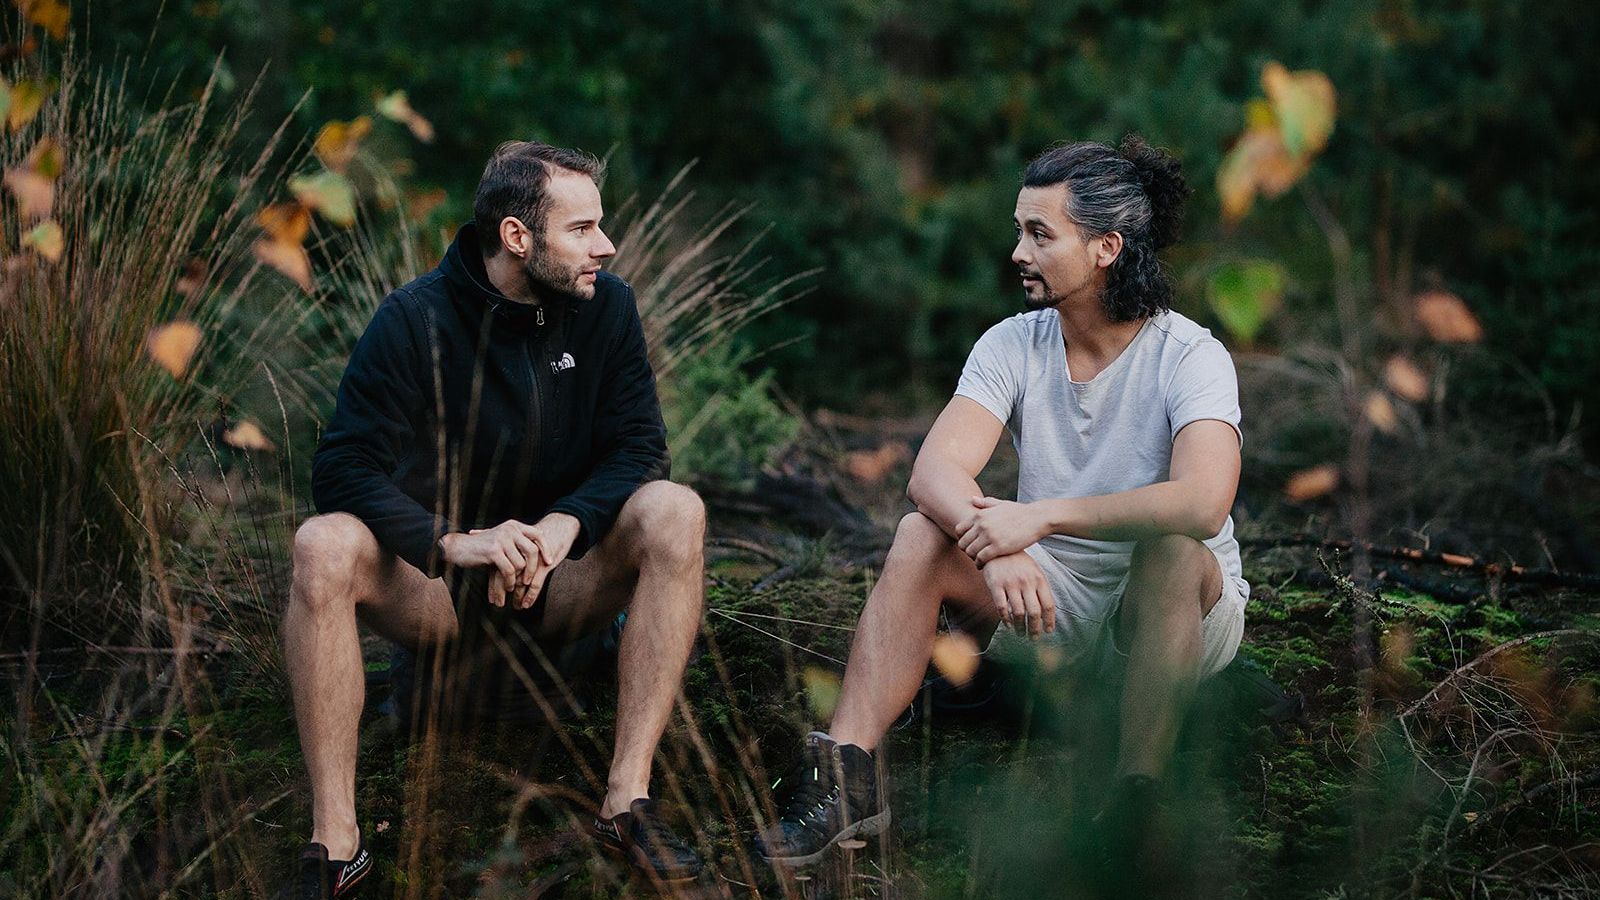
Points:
[(1108, 248), (516, 237)]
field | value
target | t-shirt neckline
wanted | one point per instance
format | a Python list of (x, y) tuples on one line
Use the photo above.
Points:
[(1061, 347)]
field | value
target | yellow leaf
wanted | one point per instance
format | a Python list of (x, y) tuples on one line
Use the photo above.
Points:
[(290, 259), (397, 107), (1446, 318), (46, 239), (1309, 484), (1380, 412), (328, 193), (338, 141), (26, 99), (822, 691), (247, 436), (1406, 380), (955, 655), (172, 346), (51, 15), (1304, 105), (35, 193)]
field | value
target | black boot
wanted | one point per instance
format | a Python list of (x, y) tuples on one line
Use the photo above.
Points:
[(836, 797)]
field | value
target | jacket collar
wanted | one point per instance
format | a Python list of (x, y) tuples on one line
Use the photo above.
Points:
[(463, 268)]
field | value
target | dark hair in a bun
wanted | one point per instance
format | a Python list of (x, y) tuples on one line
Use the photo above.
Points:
[(1137, 191)]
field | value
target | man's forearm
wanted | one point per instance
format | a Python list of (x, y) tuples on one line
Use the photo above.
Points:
[(1170, 507), (943, 492)]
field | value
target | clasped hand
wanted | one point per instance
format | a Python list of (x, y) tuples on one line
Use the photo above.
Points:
[(999, 528), (522, 555)]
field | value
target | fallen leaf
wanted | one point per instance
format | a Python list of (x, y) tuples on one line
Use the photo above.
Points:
[(421, 204), (1309, 484), (287, 222), (247, 436), (51, 15), (397, 107), (329, 193), (35, 193), (955, 655), (46, 239), (1304, 103), (1406, 379), (1258, 162), (172, 346), (1380, 412), (337, 142), (1446, 318)]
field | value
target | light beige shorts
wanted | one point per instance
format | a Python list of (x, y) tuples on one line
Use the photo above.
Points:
[(1087, 608)]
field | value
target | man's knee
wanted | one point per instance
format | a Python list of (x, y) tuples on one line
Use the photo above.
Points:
[(666, 520), (920, 540), (331, 553), (1180, 561)]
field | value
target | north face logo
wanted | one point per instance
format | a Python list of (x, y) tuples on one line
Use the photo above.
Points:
[(566, 362)]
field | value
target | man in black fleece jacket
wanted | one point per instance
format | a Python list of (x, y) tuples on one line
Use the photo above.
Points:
[(498, 418)]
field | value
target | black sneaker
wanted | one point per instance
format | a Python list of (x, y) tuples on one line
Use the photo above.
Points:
[(1122, 831), (836, 798), (326, 879), (644, 840)]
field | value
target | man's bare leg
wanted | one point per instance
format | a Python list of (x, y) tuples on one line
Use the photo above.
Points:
[(339, 569), (1175, 581), (652, 562), (894, 638)]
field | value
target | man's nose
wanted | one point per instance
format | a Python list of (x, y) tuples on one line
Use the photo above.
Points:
[(603, 248), (1019, 255)]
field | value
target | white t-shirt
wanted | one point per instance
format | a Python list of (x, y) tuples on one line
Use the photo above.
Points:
[(1109, 434)]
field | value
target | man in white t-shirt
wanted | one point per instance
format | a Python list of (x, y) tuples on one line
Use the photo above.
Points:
[(1125, 416)]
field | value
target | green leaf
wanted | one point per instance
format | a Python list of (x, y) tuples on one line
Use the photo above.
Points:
[(1246, 295), (329, 193)]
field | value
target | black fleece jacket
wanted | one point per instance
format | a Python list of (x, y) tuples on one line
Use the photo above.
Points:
[(461, 408)]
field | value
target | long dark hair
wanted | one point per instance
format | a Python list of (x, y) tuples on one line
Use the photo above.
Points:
[(1135, 190)]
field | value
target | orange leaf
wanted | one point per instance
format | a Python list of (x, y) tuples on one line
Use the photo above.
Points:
[(46, 239), (1406, 380), (1380, 412), (421, 204), (35, 193), (1309, 484), (872, 466), (955, 655), (172, 346), (289, 258), (1446, 318), (1258, 162), (338, 141), (287, 222), (247, 436), (51, 15), (193, 275)]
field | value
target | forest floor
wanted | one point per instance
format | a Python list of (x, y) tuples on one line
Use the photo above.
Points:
[(1462, 760)]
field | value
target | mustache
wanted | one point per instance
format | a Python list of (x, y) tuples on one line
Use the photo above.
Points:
[(1030, 273)]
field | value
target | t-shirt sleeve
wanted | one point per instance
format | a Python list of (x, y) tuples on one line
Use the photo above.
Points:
[(1204, 386), (993, 373)]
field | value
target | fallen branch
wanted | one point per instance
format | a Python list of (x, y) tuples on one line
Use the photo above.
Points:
[(1492, 651), (1581, 580), (1577, 782)]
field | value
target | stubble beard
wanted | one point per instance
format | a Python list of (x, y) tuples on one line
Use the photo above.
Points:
[(548, 279)]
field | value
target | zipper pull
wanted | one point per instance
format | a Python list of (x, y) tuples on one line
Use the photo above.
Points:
[(538, 315)]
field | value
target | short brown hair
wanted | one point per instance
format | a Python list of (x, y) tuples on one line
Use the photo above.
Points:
[(513, 184)]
